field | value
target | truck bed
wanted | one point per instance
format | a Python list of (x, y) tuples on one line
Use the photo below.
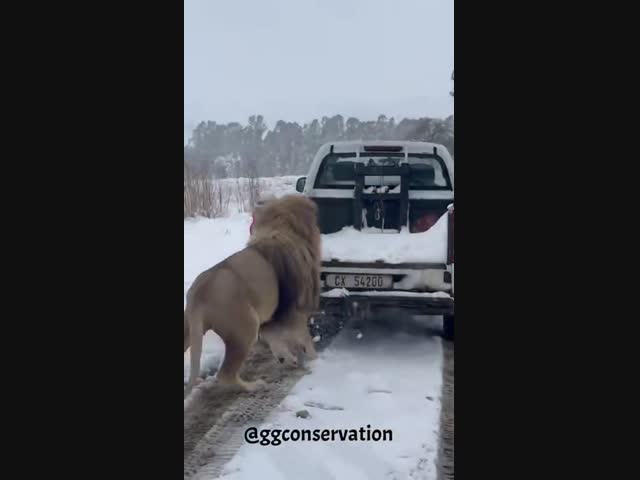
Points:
[(391, 247)]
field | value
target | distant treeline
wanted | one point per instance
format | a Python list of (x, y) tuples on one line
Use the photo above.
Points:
[(253, 150)]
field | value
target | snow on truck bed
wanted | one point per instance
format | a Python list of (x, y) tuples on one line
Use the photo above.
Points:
[(370, 245), (366, 245)]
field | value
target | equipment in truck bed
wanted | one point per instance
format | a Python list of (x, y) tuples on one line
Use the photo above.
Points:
[(373, 206)]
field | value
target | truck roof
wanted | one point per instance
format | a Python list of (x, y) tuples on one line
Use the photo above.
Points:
[(358, 145), (406, 147)]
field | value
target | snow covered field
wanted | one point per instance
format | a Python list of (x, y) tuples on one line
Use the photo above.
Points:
[(388, 379)]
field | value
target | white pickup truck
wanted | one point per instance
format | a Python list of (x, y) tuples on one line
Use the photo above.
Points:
[(386, 215)]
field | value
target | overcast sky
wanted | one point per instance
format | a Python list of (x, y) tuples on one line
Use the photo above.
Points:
[(297, 60)]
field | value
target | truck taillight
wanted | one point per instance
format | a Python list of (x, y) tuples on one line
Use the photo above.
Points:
[(424, 223), (450, 237)]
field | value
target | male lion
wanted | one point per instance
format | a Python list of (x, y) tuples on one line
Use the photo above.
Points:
[(268, 288)]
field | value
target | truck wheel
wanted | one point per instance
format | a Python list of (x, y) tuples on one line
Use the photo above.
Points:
[(447, 327), (326, 327)]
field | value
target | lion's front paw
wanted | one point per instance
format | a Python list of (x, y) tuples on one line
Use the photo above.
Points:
[(255, 385)]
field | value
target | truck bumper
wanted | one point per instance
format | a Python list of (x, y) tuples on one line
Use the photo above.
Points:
[(355, 304)]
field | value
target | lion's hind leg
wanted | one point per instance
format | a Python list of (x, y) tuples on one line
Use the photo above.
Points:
[(238, 342), (195, 330)]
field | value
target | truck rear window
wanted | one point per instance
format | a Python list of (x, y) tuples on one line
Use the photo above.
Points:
[(428, 172)]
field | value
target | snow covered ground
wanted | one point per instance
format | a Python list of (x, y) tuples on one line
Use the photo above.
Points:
[(279, 186), (388, 379)]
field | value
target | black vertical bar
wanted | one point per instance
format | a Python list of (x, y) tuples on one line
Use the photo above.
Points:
[(357, 197), (404, 195)]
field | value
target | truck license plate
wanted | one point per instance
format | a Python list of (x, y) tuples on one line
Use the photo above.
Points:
[(339, 280)]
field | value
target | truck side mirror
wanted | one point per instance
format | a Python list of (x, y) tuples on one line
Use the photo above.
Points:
[(300, 184)]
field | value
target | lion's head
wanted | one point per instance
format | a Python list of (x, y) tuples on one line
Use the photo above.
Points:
[(294, 214)]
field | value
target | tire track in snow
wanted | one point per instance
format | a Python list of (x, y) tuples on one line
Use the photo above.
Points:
[(215, 417)]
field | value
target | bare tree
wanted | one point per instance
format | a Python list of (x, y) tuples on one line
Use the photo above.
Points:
[(204, 196)]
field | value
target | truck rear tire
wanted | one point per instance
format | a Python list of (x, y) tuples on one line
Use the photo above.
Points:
[(326, 327), (447, 327)]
